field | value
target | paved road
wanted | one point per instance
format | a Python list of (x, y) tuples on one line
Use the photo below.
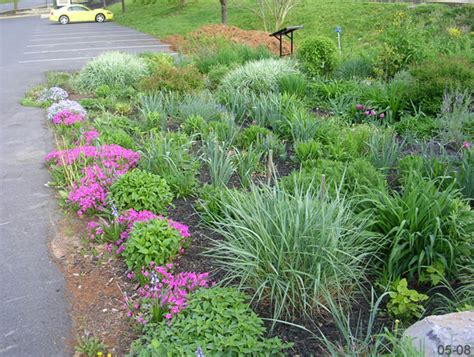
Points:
[(25, 4), (34, 317)]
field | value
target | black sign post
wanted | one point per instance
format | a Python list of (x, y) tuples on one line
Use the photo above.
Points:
[(288, 32)]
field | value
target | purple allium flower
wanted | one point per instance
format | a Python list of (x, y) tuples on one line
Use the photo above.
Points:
[(360, 106), (382, 115)]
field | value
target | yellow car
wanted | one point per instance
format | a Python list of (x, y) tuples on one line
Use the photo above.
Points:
[(79, 13)]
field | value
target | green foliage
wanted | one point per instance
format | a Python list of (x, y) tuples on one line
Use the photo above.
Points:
[(141, 190), (216, 74), (31, 98), (401, 47), (114, 69), (59, 79), (247, 162), (180, 79), (354, 68), (152, 241), (293, 84), (250, 135), (195, 125), (218, 321), (118, 136), (308, 152), (303, 126), (219, 162), (456, 119), (170, 156), (212, 200), (290, 248), (317, 55), (90, 346), (353, 178), (228, 55), (422, 227), (202, 103), (258, 76), (436, 75), (384, 150), (404, 303), (465, 177), (420, 127)]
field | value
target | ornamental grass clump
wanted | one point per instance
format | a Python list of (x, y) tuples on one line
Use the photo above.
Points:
[(259, 76), (114, 69), (290, 249), (427, 233)]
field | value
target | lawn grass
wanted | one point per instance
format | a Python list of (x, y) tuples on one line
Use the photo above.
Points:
[(361, 22)]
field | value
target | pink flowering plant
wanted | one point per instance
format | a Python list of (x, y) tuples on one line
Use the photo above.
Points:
[(68, 166), (91, 192), (367, 114), (163, 293), (69, 105), (68, 117)]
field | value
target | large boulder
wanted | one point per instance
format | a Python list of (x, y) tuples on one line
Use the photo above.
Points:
[(437, 335)]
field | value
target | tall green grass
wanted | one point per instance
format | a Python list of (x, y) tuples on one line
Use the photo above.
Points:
[(292, 250)]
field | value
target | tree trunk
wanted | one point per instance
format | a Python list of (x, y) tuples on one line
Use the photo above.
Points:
[(15, 6), (223, 11)]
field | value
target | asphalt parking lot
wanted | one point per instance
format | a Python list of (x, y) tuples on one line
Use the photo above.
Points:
[(52, 42)]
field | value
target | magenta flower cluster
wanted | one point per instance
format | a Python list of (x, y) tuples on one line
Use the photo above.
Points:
[(88, 137), (92, 190), (126, 221), (110, 156), (368, 112), (164, 290), (67, 117)]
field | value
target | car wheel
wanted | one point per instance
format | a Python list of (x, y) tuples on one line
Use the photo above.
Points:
[(63, 20), (100, 18)]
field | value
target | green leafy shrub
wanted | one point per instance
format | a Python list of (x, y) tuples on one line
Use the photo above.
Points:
[(317, 55), (436, 75), (257, 76), (216, 74), (420, 127), (404, 303), (152, 241), (141, 190), (218, 321), (422, 227), (114, 69), (290, 248), (250, 135), (180, 79)]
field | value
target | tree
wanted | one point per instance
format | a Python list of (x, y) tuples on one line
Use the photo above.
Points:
[(274, 12), (223, 11)]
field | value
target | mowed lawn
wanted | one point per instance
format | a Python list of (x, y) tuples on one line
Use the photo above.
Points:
[(361, 22)]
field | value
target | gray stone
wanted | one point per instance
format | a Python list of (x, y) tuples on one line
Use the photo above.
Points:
[(434, 334)]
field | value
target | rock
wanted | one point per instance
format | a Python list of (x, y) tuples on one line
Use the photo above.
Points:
[(437, 335)]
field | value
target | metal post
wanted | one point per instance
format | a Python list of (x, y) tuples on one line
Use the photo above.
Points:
[(281, 45), (291, 40)]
